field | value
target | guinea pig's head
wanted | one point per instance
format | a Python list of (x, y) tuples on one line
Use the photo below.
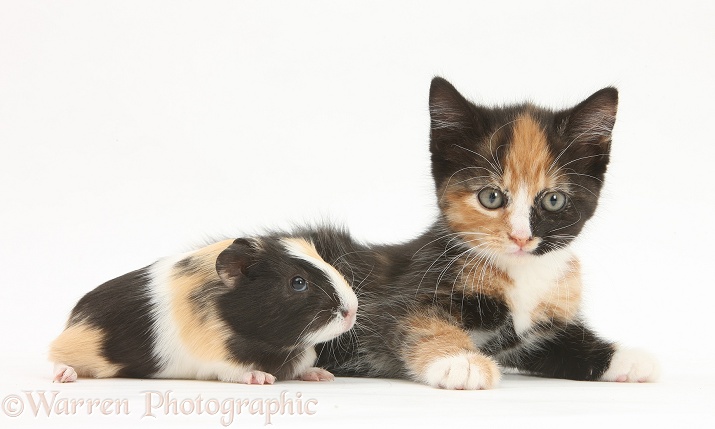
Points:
[(281, 291)]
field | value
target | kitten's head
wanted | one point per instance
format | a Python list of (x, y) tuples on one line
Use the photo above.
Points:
[(518, 180)]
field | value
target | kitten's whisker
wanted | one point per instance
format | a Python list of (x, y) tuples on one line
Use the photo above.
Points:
[(582, 158), (491, 174), (496, 169), (570, 143)]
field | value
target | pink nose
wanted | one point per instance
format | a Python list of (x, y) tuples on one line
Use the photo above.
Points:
[(349, 315), (520, 240)]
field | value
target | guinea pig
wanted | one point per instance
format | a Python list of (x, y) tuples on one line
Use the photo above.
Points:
[(245, 311)]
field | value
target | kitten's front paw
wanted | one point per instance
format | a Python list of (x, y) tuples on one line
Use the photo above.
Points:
[(632, 365), (316, 374), (258, 377), (465, 371)]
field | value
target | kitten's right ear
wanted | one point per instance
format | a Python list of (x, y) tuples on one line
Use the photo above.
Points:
[(233, 262), (452, 117), (447, 107)]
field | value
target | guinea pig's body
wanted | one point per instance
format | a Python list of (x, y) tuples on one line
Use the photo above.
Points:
[(247, 311)]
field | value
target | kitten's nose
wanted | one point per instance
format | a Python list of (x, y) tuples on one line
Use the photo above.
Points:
[(520, 240)]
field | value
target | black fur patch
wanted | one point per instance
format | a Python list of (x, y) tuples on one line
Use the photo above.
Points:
[(505, 339), (122, 309), (270, 319), (278, 361), (203, 298), (572, 352), (481, 312)]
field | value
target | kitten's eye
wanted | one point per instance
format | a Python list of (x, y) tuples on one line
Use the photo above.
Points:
[(491, 198), (299, 284), (553, 201)]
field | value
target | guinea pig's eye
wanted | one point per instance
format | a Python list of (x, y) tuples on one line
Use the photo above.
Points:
[(299, 284), (491, 198), (553, 201)]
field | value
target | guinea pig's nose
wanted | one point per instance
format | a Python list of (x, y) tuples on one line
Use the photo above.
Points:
[(345, 312)]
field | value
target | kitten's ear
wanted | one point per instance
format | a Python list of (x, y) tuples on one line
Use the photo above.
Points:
[(447, 107), (232, 264), (591, 121), (452, 117)]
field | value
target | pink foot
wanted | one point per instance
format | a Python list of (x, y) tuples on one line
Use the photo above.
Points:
[(64, 374), (316, 374), (258, 377)]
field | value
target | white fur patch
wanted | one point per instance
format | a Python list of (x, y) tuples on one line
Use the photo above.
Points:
[(174, 358), (632, 365), (346, 296), (462, 372), (534, 278), (479, 337), (520, 212)]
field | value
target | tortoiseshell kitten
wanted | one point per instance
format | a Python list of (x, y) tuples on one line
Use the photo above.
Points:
[(493, 282)]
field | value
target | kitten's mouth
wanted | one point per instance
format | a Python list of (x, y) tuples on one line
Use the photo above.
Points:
[(520, 253)]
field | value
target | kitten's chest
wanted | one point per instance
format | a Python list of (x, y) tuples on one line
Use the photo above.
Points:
[(542, 289)]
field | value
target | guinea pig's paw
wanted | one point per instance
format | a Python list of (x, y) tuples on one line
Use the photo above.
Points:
[(316, 374), (632, 365), (258, 377), (464, 371), (64, 374)]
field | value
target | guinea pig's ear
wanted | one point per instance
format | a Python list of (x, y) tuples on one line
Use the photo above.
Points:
[(232, 263)]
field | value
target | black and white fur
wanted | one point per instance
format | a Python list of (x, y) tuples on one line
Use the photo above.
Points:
[(229, 311)]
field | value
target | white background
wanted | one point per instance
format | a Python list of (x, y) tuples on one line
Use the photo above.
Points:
[(131, 130)]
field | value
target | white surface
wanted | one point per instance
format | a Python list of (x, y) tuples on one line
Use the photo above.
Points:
[(519, 400), (133, 130)]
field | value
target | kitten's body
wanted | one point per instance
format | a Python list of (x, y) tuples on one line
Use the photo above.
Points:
[(486, 285)]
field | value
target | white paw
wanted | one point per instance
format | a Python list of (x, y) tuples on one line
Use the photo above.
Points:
[(316, 374), (465, 371), (632, 365), (64, 374), (258, 377)]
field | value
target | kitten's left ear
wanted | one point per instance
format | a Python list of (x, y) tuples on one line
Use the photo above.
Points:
[(591, 121)]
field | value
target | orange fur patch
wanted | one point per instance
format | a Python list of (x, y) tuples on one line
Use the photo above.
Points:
[(208, 254), (529, 159), (204, 334), (79, 346), (430, 338), (464, 215), (563, 304), (526, 165), (476, 276)]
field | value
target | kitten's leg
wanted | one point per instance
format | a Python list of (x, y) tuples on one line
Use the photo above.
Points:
[(442, 355), (575, 352)]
